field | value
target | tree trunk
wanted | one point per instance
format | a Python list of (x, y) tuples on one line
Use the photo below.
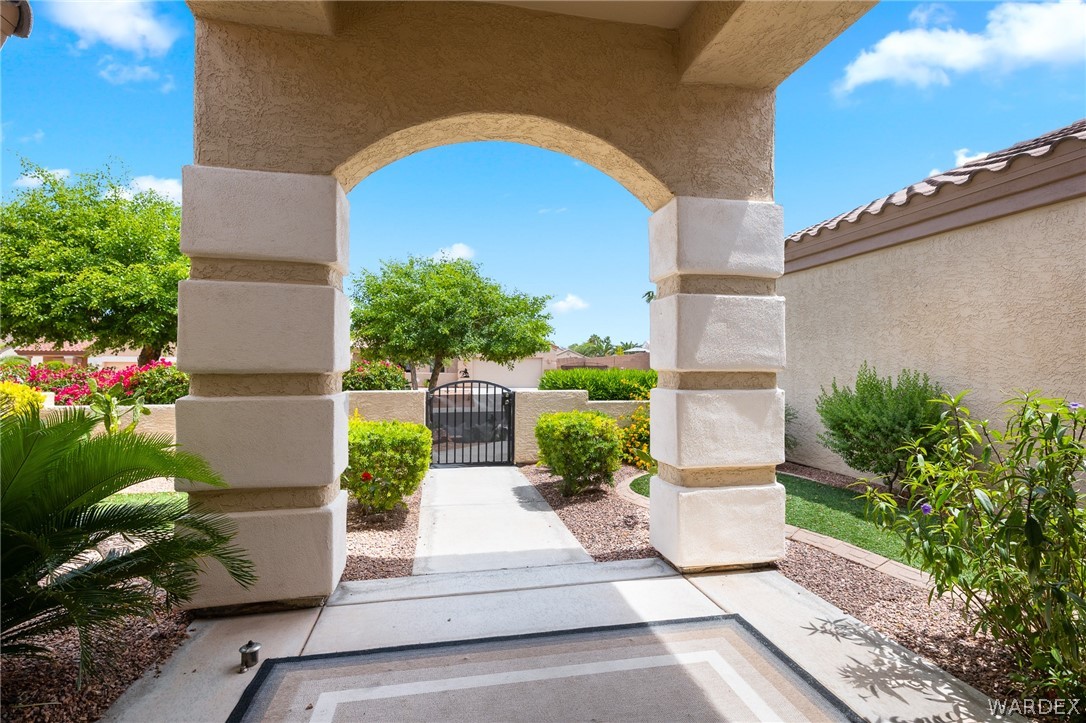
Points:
[(148, 354), (434, 371), (414, 377)]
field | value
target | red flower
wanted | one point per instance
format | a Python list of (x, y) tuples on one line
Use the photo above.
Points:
[(366, 476)]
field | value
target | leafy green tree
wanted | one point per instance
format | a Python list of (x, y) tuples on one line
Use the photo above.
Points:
[(56, 477), (595, 346), (427, 311), (86, 259)]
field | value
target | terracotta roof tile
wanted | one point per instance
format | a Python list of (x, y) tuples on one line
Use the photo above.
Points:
[(77, 348), (963, 174)]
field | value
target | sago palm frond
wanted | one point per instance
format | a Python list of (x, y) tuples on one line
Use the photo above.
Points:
[(55, 477)]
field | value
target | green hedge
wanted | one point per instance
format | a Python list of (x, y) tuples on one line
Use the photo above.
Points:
[(386, 462), (583, 448), (603, 384), (159, 384)]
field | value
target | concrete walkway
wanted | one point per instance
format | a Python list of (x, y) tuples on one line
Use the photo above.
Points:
[(493, 560), (488, 518)]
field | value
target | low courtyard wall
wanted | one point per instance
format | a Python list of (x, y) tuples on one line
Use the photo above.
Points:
[(410, 406)]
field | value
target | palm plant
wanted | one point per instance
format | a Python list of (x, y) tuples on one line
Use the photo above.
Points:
[(54, 476)]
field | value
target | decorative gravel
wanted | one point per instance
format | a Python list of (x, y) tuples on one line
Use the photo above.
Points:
[(380, 546), (607, 526), (44, 689), (901, 611)]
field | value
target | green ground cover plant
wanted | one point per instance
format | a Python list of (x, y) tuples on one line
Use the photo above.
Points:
[(994, 517), (603, 384), (583, 448), (139, 498), (386, 462), (868, 426)]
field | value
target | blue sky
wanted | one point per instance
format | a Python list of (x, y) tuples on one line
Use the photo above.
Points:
[(910, 88)]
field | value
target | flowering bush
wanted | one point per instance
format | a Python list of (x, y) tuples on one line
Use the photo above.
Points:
[(995, 517), (71, 384), (386, 462), (374, 375), (15, 398), (77, 390), (634, 431)]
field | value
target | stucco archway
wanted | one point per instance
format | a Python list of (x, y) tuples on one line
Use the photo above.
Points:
[(285, 121)]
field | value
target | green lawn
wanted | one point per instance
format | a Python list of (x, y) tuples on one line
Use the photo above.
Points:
[(826, 510), (135, 498), (641, 485)]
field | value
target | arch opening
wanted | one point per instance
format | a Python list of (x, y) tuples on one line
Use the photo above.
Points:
[(530, 130)]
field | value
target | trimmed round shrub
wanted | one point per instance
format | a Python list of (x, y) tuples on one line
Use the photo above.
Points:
[(583, 448), (16, 398), (603, 384), (57, 366), (374, 376), (158, 383), (386, 462), (14, 361)]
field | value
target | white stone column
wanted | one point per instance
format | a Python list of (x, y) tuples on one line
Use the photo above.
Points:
[(717, 416), (263, 330)]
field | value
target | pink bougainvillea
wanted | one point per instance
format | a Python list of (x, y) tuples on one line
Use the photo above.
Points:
[(70, 385)]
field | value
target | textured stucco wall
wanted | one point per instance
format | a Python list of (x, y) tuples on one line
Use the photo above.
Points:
[(532, 403), (401, 77), (399, 406), (994, 307)]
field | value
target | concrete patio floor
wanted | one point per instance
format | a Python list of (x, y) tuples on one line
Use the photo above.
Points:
[(877, 678)]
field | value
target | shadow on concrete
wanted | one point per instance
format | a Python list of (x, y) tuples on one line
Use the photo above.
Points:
[(895, 672)]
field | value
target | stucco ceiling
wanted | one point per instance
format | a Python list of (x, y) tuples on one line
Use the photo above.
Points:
[(663, 14)]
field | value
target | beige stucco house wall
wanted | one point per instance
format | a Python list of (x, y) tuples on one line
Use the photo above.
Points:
[(994, 306)]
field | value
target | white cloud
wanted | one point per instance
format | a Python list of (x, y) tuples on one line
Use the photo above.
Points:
[(963, 156), (130, 25), (168, 84), (1016, 35), (553, 210), (456, 251), (33, 182), (931, 14), (572, 302), (934, 172), (121, 73), (169, 188), (36, 137)]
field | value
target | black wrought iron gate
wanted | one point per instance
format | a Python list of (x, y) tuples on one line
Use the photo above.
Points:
[(471, 423)]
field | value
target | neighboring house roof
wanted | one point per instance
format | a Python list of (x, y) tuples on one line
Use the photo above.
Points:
[(562, 351), (77, 348), (993, 162)]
